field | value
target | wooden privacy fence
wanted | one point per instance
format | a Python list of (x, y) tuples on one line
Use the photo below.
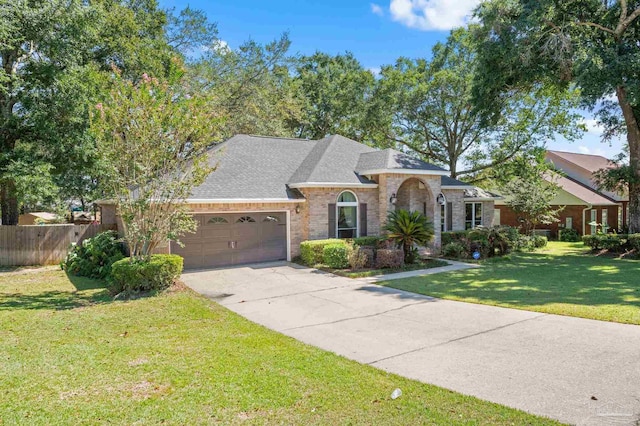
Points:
[(42, 244)]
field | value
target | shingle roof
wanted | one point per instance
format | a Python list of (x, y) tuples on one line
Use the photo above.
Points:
[(581, 191), (390, 159), (588, 162), (332, 159), (449, 181), (263, 168)]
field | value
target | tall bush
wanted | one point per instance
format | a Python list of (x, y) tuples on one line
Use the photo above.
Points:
[(156, 273), (94, 257)]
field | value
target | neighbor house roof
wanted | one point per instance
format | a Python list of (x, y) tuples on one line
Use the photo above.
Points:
[(589, 162), (475, 193), (451, 183), (262, 169), (44, 215), (583, 192)]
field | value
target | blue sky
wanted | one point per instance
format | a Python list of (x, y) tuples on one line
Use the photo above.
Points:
[(376, 32)]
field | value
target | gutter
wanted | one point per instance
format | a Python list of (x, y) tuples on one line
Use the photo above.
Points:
[(584, 220)]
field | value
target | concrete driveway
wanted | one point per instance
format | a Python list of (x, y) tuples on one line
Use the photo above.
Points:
[(575, 370)]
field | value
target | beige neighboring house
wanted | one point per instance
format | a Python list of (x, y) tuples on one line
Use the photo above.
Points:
[(269, 194), (35, 218)]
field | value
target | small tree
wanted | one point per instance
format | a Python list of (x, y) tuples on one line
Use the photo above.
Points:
[(152, 136), (530, 198), (408, 228)]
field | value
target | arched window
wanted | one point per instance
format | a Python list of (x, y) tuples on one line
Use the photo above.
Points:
[(245, 219), (347, 215), (217, 220)]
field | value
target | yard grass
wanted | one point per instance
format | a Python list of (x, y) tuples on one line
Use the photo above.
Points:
[(564, 279), (72, 355)]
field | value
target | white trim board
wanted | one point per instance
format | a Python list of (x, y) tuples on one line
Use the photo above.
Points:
[(332, 185)]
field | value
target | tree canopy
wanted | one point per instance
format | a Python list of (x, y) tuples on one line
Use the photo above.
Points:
[(591, 45)]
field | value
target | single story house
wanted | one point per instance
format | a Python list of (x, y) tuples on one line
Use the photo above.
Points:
[(583, 201), (37, 218), (269, 194)]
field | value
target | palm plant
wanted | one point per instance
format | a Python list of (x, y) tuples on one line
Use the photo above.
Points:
[(408, 228)]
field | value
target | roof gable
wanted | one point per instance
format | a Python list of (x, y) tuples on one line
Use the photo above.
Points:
[(390, 160)]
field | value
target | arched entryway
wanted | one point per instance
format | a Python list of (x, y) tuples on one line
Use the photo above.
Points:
[(414, 195)]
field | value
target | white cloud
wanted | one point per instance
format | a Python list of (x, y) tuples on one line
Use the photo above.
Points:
[(593, 126), (586, 150), (432, 14), (218, 45), (375, 71), (377, 9)]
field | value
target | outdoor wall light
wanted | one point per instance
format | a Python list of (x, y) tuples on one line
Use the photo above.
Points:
[(393, 198), (298, 209)]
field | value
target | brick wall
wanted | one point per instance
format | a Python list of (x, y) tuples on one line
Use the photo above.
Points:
[(509, 217), (317, 208), (456, 197)]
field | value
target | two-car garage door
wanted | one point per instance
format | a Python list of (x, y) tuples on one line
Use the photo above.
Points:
[(234, 239)]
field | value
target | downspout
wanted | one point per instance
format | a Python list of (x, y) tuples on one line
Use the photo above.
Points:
[(584, 220)]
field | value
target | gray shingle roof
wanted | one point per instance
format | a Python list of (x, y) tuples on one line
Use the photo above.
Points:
[(392, 159), (333, 159), (262, 168), (449, 181)]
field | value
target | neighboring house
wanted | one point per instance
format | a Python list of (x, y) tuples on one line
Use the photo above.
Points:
[(269, 194), (583, 202), (37, 218)]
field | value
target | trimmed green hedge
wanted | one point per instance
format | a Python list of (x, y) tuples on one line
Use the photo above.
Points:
[(612, 242), (311, 251), (336, 255), (634, 241), (568, 235), (157, 273), (366, 241)]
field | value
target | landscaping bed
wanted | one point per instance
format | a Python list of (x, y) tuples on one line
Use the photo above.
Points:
[(73, 355), (362, 273)]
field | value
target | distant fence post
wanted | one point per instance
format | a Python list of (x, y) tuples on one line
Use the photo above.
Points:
[(42, 244)]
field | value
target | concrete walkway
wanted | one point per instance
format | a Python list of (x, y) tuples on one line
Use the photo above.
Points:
[(575, 370), (452, 266)]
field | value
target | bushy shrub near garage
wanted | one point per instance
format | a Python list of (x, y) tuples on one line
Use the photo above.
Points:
[(336, 255), (94, 257), (156, 273), (311, 251)]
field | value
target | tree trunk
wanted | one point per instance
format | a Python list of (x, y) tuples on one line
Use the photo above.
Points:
[(633, 139), (9, 203)]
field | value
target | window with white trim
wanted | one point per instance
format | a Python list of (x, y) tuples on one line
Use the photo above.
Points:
[(605, 220), (347, 215), (594, 219), (473, 215)]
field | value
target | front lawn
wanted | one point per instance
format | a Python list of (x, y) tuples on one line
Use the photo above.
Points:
[(564, 279), (72, 355)]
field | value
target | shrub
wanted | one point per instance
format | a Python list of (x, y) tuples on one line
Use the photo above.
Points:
[(591, 241), (611, 242), (390, 258), (539, 241), (454, 249), (568, 235), (336, 255), (370, 253), (156, 273), (359, 258), (366, 241), (311, 251), (451, 236), (95, 256)]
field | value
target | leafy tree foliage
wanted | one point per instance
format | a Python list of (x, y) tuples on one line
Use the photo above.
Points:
[(153, 135), (426, 106), (588, 44), (335, 92), (251, 86), (54, 55)]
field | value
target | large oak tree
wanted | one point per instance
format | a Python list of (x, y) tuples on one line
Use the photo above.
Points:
[(588, 44)]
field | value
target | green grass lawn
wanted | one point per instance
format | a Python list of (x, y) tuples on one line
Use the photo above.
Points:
[(72, 355), (564, 279)]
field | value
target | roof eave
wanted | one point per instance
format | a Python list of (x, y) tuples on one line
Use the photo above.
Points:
[(404, 172), (331, 185)]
